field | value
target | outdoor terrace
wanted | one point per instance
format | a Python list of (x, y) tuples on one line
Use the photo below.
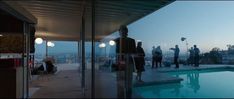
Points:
[(66, 82)]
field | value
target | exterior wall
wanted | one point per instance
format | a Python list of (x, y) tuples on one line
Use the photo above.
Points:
[(11, 66), (19, 82), (11, 75)]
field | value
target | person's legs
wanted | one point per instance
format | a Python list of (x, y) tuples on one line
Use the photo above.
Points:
[(193, 61), (128, 80), (176, 62), (156, 59), (189, 60), (140, 73), (196, 61), (137, 77), (160, 61), (120, 83), (152, 62)]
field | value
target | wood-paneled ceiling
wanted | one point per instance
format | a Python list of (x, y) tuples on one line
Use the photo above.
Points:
[(61, 20)]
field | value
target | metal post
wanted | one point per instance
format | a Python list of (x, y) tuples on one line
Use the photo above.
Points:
[(28, 53), (105, 51), (83, 55), (46, 49), (27, 59), (33, 61), (78, 54), (23, 60), (26, 50), (93, 50)]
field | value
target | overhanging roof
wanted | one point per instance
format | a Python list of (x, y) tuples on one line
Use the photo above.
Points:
[(61, 20), (18, 11)]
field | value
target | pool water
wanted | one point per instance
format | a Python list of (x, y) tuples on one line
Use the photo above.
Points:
[(195, 84)]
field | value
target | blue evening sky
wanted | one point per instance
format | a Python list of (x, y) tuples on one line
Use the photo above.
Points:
[(207, 24)]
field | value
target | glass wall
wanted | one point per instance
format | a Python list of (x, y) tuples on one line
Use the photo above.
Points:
[(63, 52)]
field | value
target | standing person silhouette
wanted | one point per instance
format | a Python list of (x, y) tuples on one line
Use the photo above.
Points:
[(140, 61), (176, 55), (125, 49), (191, 56), (153, 56), (196, 56), (158, 56)]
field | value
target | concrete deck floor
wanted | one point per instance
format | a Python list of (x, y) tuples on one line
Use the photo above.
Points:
[(67, 82)]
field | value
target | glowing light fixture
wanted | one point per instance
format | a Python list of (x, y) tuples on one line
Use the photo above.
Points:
[(50, 44), (39, 40), (102, 45), (112, 42), (1, 35)]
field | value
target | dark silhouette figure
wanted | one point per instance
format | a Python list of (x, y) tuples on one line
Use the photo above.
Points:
[(125, 49), (49, 66), (176, 55), (191, 56), (196, 56), (153, 56), (158, 56), (140, 61)]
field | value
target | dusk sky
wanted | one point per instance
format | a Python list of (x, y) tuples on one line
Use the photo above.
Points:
[(207, 24)]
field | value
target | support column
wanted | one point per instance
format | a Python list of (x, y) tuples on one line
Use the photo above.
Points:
[(26, 60), (78, 54), (93, 51), (46, 49), (27, 66), (83, 55), (23, 60)]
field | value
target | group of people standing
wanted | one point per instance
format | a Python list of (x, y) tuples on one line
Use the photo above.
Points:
[(194, 56), (157, 57), (192, 60)]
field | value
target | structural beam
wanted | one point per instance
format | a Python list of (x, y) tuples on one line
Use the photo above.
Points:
[(16, 10)]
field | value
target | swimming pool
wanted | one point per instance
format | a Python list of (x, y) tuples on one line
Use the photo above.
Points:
[(195, 84)]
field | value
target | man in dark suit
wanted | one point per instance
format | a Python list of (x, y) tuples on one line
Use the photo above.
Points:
[(125, 49), (176, 55)]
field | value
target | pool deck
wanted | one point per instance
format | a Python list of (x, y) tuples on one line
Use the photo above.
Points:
[(66, 83)]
